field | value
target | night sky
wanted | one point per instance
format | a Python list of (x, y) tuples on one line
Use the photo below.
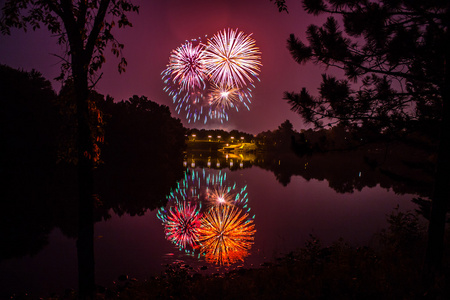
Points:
[(162, 26)]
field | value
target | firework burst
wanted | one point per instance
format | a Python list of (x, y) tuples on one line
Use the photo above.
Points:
[(187, 67), (232, 58), (205, 80), (186, 81), (226, 235)]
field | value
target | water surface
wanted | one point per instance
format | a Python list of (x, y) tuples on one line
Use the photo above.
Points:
[(349, 202)]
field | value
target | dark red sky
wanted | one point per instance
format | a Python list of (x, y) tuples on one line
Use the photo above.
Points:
[(164, 25)]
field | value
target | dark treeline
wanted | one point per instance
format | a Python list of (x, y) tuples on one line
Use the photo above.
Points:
[(140, 159), (420, 135), (341, 138), (415, 146)]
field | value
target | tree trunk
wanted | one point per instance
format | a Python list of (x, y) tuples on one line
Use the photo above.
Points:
[(85, 243), (440, 199), (441, 194)]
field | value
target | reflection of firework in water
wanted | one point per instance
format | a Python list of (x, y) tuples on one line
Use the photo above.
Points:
[(205, 80), (203, 204), (226, 235), (181, 218), (182, 225), (220, 196), (232, 58)]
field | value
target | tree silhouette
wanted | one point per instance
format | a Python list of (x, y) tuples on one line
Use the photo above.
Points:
[(29, 123), (84, 28), (395, 56), (39, 193)]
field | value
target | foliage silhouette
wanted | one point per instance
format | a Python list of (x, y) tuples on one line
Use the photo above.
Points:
[(85, 28), (279, 140), (398, 51)]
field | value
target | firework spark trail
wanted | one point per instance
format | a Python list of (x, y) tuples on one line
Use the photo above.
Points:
[(226, 235), (232, 58)]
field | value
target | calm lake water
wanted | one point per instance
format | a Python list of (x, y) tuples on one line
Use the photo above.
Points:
[(329, 197)]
